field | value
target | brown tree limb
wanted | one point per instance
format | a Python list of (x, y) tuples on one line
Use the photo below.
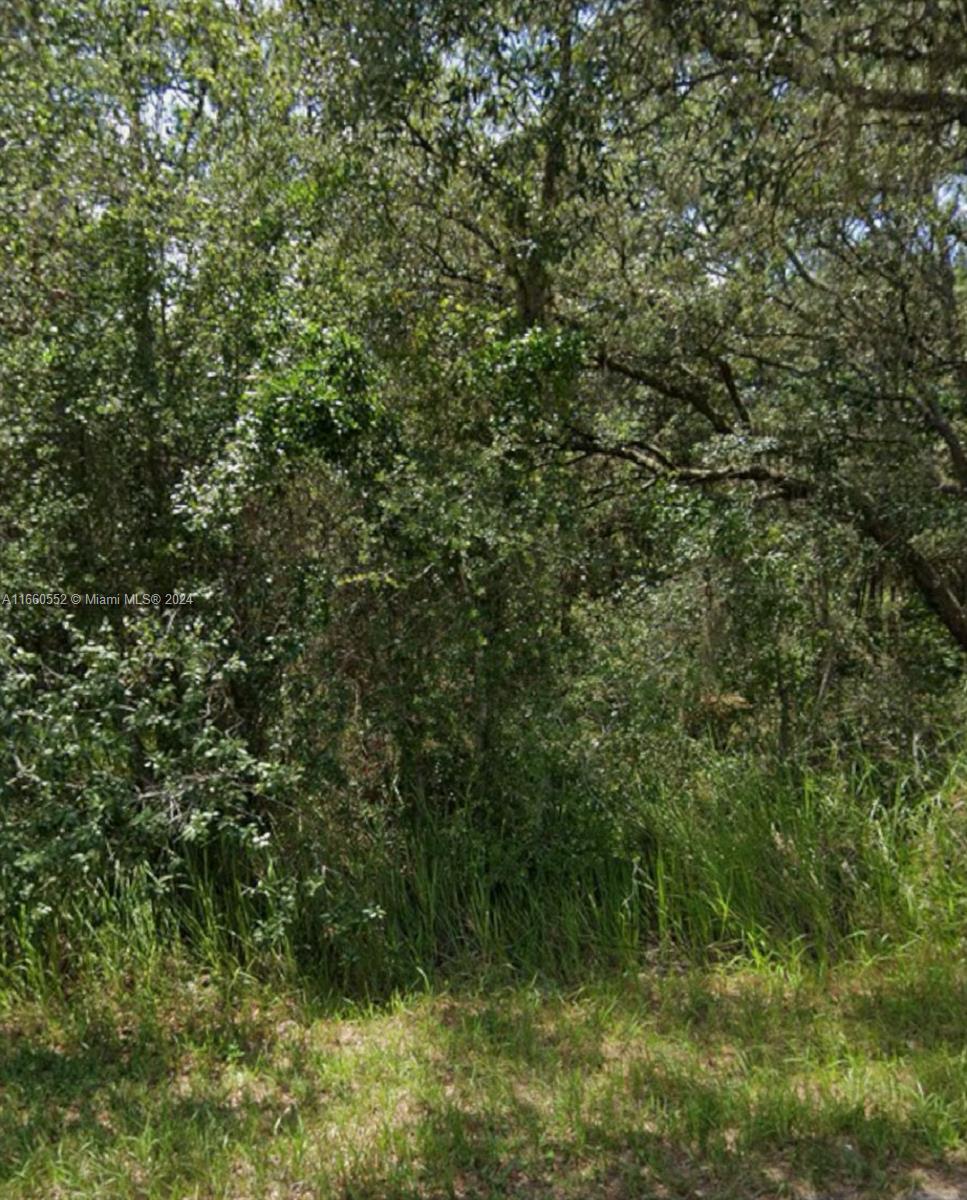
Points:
[(693, 395), (852, 505)]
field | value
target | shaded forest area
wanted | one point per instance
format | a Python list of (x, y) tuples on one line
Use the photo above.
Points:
[(542, 429)]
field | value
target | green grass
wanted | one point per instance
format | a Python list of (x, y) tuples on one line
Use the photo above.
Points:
[(764, 996), (672, 1081)]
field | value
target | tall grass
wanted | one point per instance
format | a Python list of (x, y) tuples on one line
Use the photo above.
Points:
[(742, 862)]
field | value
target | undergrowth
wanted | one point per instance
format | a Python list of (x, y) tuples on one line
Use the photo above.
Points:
[(744, 863), (762, 992)]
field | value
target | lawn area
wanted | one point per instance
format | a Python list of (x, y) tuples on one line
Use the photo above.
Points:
[(676, 1082)]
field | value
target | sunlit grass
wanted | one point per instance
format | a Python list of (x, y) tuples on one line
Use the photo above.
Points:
[(674, 1081)]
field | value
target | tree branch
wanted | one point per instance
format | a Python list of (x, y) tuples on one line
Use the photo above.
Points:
[(657, 463), (695, 396)]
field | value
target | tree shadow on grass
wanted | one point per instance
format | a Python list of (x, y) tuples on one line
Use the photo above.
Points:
[(671, 1114), (523, 1032), (108, 1086), (464, 1151), (642, 1093), (925, 1010), (49, 1090)]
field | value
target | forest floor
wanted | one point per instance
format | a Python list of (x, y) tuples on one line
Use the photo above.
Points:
[(676, 1082)]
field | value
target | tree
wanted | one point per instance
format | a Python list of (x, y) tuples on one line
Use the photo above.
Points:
[(752, 218)]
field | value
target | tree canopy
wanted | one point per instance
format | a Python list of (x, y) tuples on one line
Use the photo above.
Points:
[(517, 390)]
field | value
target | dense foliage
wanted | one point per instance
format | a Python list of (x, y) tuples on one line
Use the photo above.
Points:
[(543, 429)]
